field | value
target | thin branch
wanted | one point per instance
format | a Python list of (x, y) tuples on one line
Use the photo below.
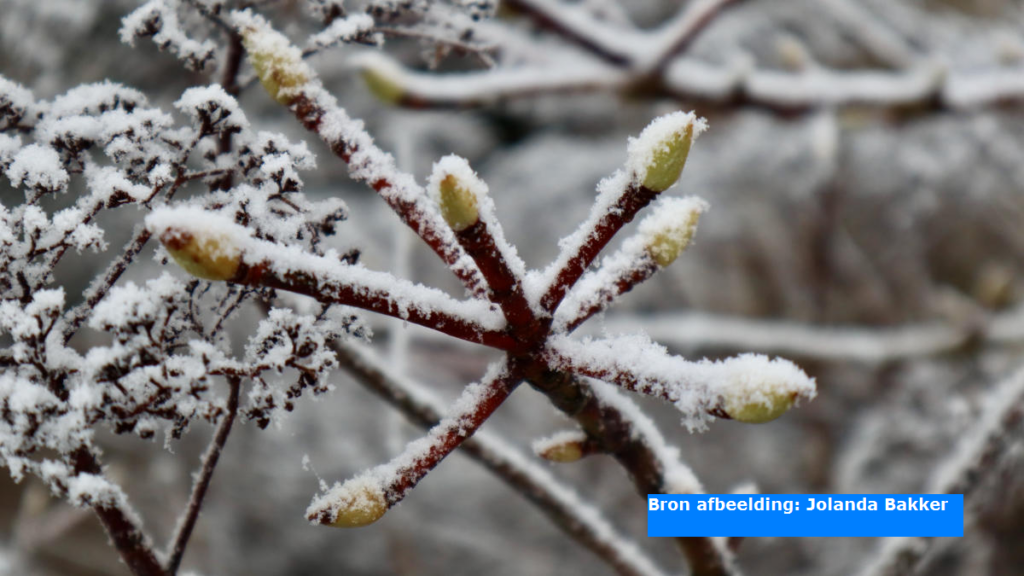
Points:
[(347, 139), (202, 483), (556, 501), (596, 291), (468, 413), (389, 483), (382, 293), (574, 25), (925, 85), (99, 288), (121, 525), (870, 345), (603, 223), (677, 35)]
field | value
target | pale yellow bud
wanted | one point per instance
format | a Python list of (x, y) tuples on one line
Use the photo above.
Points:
[(211, 256), (668, 160), (756, 390), (382, 86), (564, 452), (760, 411), (562, 447), (382, 75), (362, 505), (277, 63), (458, 204), (669, 231), (457, 191)]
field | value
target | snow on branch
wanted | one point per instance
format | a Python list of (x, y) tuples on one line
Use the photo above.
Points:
[(213, 247), (864, 344), (663, 235), (553, 498), (655, 161), (748, 388), (288, 79), (394, 84), (364, 499)]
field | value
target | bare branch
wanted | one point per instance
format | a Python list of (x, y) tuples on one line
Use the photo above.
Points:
[(202, 483)]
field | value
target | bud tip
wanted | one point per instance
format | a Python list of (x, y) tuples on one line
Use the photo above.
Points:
[(658, 154), (458, 192)]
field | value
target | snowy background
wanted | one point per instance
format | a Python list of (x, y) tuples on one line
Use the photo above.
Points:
[(863, 166)]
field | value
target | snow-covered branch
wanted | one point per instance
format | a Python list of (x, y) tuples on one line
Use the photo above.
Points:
[(364, 499), (656, 159), (748, 388), (553, 498)]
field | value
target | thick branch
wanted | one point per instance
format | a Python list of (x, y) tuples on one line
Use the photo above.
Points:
[(506, 289), (633, 448), (381, 293), (978, 453), (594, 236)]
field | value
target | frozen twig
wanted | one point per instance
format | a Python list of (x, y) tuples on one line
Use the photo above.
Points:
[(978, 452), (365, 498), (288, 79), (747, 388), (556, 501), (622, 196), (215, 248), (469, 210), (202, 483), (120, 522)]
